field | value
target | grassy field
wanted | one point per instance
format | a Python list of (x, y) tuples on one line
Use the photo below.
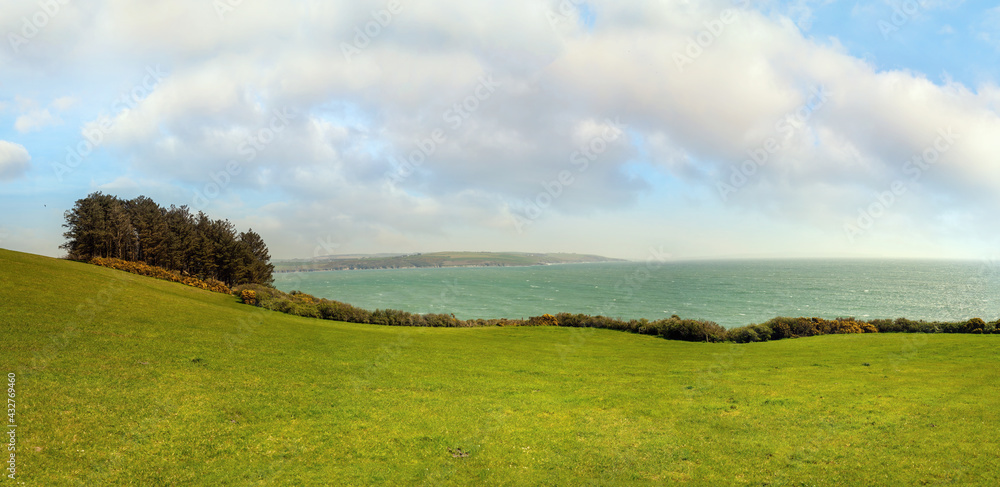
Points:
[(125, 380), (438, 259)]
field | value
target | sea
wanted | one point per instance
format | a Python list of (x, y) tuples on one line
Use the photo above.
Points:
[(731, 293)]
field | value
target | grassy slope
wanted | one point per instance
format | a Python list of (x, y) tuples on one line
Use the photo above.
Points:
[(441, 259), (108, 394)]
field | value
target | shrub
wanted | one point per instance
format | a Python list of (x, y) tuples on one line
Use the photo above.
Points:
[(544, 320), (495, 322), (691, 330), (744, 334), (308, 310), (975, 325), (644, 327), (840, 327), (908, 326), (441, 320), (763, 331), (781, 328), (392, 317), (571, 320), (302, 297), (337, 311), (673, 328), (807, 327), (283, 305), (887, 326), (144, 269), (249, 296), (217, 286), (945, 327), (868, 327)]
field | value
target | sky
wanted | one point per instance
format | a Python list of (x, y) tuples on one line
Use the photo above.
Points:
[(630, 129)]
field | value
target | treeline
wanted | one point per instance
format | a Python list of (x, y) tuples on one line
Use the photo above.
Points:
[(140, 230), (673, 328)]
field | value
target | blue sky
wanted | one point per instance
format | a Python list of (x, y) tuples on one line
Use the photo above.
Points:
[(594, 127)]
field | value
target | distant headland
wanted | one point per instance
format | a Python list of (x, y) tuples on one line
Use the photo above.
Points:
[(434, 259)]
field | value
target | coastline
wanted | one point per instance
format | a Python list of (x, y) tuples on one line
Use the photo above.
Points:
[(472, 266)]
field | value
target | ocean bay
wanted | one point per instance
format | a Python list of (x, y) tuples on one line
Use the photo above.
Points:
[(731, 293)]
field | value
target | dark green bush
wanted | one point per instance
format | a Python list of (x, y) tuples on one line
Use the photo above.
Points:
[(283, 305), (744, 334), (392, 317), (441, 320), (781, 328), (337, 311), (644, 327), (306, 309), (946, 327), (763, 331), (887, 326), (691, 330), (903, 325), (495, 322), (975, 325)]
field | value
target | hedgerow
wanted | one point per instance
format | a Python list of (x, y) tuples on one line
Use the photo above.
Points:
[(673, 328), (143, 269)]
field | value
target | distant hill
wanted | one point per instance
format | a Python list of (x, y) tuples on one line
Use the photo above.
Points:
[(435, 259)]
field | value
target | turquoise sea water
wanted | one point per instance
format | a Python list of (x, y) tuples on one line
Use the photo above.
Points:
[(731, 293)]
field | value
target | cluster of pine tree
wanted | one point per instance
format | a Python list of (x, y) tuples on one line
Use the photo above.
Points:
[(139, 230)]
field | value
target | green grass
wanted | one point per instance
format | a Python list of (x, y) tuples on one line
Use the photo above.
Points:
[(125, 380)]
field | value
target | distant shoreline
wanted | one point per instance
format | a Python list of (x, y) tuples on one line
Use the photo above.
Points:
[(438, 260), (481, 266)]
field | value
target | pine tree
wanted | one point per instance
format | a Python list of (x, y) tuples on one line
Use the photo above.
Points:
[(88, 227), (149, 221), (180, 239), (120, 232), (101, 225), (260, 270)]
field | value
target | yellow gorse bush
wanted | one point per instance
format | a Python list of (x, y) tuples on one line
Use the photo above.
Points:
[(144, 269), (544, 320), (249, 296)]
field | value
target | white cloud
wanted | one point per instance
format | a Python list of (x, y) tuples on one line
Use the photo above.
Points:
[(14, 160), (555, 87), (65, 102), (120, 184), (757, 71), (36, 119), (33, 118)]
